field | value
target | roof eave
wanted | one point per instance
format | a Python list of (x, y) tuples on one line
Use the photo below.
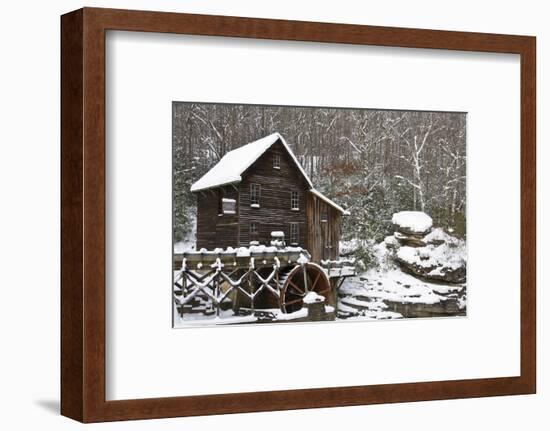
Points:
[(329, 201), (202, 189)]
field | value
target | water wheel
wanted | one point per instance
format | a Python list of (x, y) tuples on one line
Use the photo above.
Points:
[(295, 285)]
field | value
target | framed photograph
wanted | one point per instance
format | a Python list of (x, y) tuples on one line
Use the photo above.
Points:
[(257, 241), (268, 215)]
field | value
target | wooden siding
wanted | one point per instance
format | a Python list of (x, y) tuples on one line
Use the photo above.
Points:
[(214, 230), (323, 238), (274, 213)]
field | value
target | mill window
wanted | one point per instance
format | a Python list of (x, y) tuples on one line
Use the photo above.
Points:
[(276, 161), (229, 206), (255, 195), (294, 204), (294, 234)]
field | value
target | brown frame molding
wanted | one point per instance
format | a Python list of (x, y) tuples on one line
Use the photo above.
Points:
[(83, 214)]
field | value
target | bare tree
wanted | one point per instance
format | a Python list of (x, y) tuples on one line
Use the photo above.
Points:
[(371, 161)]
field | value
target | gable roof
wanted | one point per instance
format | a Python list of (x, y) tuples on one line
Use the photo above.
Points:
[(230, 168)]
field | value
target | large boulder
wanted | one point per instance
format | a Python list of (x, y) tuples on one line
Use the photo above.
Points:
[(414, 223), (443, 258), (411, 227), (409, 240)]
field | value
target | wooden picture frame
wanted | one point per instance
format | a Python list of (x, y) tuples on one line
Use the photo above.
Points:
[(83, 334)]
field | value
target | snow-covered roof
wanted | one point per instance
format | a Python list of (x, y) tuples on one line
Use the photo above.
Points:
[(328, 201), (230, 168)]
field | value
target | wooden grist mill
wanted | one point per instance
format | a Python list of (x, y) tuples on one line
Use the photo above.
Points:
[(267, 241)]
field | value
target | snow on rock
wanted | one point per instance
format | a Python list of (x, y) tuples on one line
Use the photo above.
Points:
[(444, 262), (439, 236), (313, 297), (391, 242), (395, 286), (409, 239), (277, 234), (415, 275), (355, 304), (412, 222), (377, 292)]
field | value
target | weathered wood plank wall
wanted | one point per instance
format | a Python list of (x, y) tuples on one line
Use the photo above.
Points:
[(323, 237), (275, 213), (215, 230)]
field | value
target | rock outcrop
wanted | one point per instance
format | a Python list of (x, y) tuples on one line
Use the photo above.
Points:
[(429, 253), (411, 227)]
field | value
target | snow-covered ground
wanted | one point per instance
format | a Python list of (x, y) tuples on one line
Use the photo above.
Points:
[(227, 317), (372, 295), (367, 295), (389, 290), (391, 285), (183, 246)]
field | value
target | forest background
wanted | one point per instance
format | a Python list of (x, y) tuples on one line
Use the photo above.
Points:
[(374, 163)]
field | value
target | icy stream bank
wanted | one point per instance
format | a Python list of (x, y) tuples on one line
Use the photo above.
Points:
[(394, 294)]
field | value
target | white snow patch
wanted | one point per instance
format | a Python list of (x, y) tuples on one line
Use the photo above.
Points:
[(373, 304), (231, 166), (443, 257), (248, 251), (313, 297), (391, 241), (394, 285), (226, 317), (375, 315), (349, 247), (438, 235), (302, 259), (189, 240), (184, 246), (279, 315), (414, 221)]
